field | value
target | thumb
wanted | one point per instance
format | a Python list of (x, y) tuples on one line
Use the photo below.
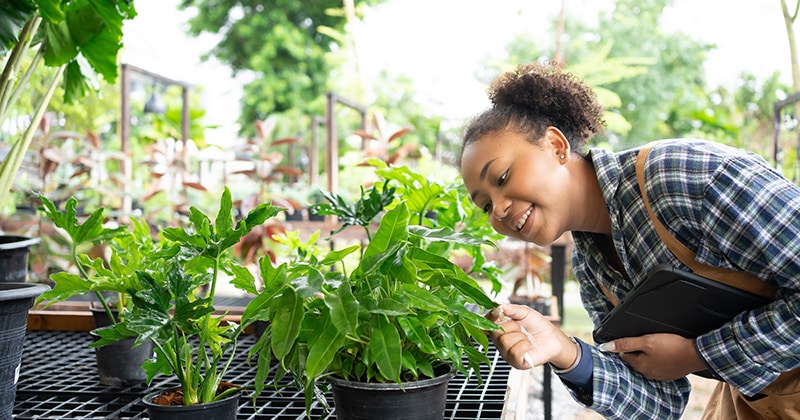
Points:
[(516, 312)]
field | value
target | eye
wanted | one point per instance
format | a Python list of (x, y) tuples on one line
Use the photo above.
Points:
[(502, 179), (487, 207)]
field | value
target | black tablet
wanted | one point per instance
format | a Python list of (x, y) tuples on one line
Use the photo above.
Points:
[(671, 300)]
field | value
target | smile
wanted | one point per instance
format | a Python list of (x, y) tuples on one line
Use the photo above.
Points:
[(523, 219)]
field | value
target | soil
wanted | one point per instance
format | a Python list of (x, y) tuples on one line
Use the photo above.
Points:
[(175, 397)]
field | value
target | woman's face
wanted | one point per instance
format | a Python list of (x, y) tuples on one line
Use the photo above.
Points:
[(519, 184)]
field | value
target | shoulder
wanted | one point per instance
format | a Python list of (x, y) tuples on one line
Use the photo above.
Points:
[(695, 155)]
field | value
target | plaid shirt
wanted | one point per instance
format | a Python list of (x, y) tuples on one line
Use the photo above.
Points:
[(733, 210)]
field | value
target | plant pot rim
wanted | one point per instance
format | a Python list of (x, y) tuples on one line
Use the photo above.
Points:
[(15, 242), (147, 401), (15, 291), (388, 386)]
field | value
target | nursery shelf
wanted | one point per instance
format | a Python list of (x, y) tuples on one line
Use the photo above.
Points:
[(59, 379)]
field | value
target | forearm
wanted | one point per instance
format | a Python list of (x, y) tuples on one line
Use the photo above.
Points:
[(750, 352), (618, 392)]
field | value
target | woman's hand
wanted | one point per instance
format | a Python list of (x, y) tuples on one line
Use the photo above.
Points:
[(658, 356), (529, 339)]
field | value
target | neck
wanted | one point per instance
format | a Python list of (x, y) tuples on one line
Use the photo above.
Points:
[(594, 212)]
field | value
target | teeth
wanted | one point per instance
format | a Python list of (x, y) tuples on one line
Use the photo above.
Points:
[(523, 219)]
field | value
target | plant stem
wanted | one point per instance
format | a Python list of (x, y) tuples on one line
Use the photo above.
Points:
[(13, 160), (85, 275), (14, 62)]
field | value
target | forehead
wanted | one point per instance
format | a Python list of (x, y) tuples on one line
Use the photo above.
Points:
[(490, 147)]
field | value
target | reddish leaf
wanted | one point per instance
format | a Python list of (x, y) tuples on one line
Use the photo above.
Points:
[(399, 133), (94, 140), (287, 170), (364, 135), (80, 172), (195, 186), (285, 140)]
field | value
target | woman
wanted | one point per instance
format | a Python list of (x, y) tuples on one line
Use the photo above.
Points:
[(523, 163)]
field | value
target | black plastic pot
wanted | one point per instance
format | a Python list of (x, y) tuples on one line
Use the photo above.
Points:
[(14, 252), (100, 316), (218, 410), (419, 400), (15, 301), (121, 364)]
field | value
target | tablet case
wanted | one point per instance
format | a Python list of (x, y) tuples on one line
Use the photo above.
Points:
[(670, 300)]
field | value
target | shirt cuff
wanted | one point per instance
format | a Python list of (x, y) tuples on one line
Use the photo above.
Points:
[(581, 374)]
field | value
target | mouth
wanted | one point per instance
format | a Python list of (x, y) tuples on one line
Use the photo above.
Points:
[(522, 219)]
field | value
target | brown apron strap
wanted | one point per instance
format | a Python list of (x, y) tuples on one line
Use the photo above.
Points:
[(738, 279)]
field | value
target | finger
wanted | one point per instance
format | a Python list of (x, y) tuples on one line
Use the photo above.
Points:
[(623, 345), (496, 314), (516, 312), (515, 350)]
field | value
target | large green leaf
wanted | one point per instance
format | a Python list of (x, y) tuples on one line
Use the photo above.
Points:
[(445, 234), (420, 298), (66, 286), (322, 349), (391, 231), (417, 333), (343, 309), (385, 348), (286, 318), (13, 15)]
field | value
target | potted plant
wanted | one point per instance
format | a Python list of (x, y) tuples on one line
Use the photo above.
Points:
[(161, 281), (77, 32), (401, 317), (106, 275)]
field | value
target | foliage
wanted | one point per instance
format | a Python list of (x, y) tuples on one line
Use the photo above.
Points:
[(95, 275), (191, 340), (77, 38), (285, 43), (676, 80), (403, 310)]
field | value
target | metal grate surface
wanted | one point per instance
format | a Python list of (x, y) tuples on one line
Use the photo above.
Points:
[(59, 379)]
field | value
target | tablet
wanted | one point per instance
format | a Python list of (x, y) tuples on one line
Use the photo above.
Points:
[(671, 300)]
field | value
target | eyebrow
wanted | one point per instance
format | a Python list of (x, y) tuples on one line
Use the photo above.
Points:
[(484, 170)]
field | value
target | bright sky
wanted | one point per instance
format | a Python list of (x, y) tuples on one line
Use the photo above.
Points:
[(441, 43)]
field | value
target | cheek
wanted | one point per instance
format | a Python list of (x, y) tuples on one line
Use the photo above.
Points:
[(499, 226)]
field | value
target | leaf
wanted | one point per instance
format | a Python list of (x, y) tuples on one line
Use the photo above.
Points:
[(309, 285), (286, 317), (66, 286), (445, 234), (391, 231), (13, 15), (392, 307), (224, 222), (322, 349), (421, 298), (417, 333), (384, 345), (343, 309), (338, 255), (243, 279), (470, 288), (60, 48)]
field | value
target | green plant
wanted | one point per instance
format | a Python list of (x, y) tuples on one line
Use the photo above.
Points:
[(403, 310), (72, 37), (96, 275), (191, 340)]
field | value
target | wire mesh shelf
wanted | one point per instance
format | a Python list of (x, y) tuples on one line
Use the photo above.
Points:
[(58, 379)]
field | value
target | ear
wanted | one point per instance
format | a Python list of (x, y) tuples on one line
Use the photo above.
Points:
[(558, 142)]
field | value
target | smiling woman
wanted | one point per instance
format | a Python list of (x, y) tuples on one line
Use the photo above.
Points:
[(523, 163)]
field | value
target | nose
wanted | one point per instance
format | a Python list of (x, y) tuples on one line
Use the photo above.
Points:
[(500, 209)]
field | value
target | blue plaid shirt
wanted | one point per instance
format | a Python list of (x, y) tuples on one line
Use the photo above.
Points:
[(733, 210)]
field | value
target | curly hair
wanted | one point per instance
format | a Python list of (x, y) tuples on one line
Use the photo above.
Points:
[(535, 96)]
